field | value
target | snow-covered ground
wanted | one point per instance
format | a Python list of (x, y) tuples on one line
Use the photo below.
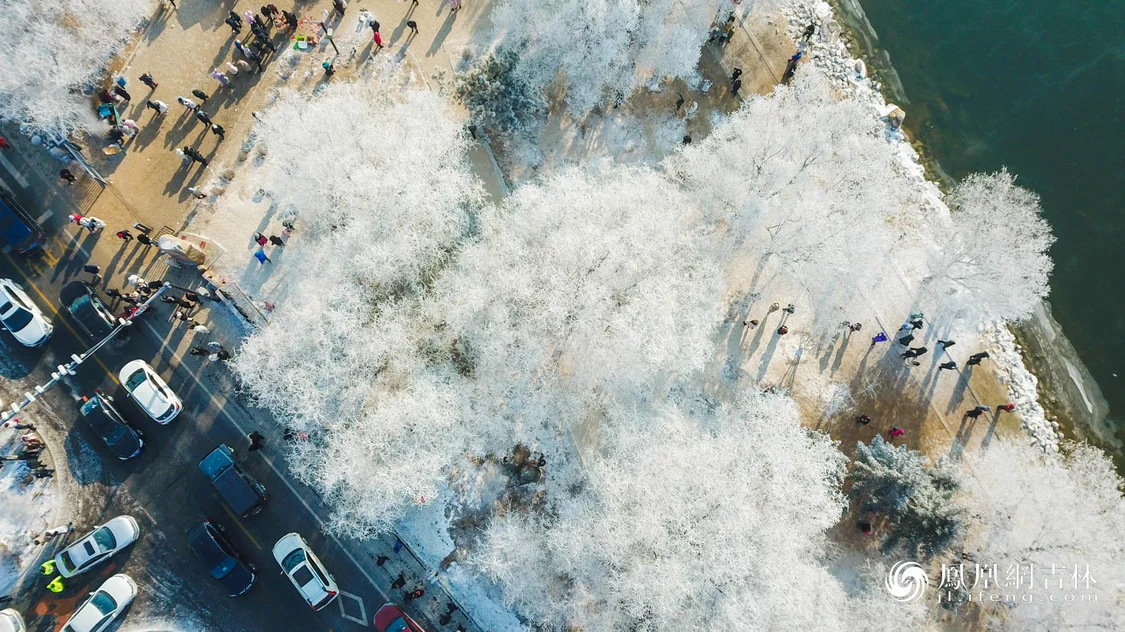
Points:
[(27, 507)]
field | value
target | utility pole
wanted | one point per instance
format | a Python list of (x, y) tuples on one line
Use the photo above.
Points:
[(65, 370)]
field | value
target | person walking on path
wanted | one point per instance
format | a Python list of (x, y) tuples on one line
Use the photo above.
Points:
[(159, 107), (341, 5), (144, 239), (200, 328), (914, 353), (976, 358), (877, 338), (235, 17), (896, 432), (977, 412), (290, 20), (221, 78), (125, 236), (235, 27), (906, 340), (194, 154), (782, 330), (275, 240), (945, 344), (119, 91), (260, 255), (257, 440), (203, 117), (201, 95), (952, 366), (66, 175), (149, 81), (188, 103), (378, 39), (198, 351), (863, 419), (1007, 408), (259, 239), (412, 25), (196, 193), (454, 5)]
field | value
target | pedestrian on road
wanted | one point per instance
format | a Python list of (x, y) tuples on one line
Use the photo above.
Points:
[(329, 69), (221, 78), (231, 68), (415, 594), (259, 32), (399, 582), (906, 340), (268, 44), (974, 413), (196, 193), (877, 338), (186, 158), (4, 143), (896, 432), (119, 91), (249, 15), (863, 419), (789, 309), (149, 81), (910, 353), (159, 107), (14, 423), (256, 440), (413, 26), (454, 5), (260, 255), (782, 330), (218, 130), (200, 329), (235, 27), (65, 174), (976, 358), (91, 268), (735, 86), (201, 95), (113, 293), (736, 74), (234, 16), (275, 240), (259, 239), (374, 24), (290, 20), (378, 39), (342, 5), (221, 354), (57, 531), (188, 103), (135, 280), (203, 117), (198, 351), (945, 344), (1007, 408), (951, 365)]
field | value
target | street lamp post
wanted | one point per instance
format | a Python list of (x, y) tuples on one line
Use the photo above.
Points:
[(67, 369)]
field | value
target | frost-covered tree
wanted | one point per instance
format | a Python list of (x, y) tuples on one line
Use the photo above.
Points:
[(53, 51), (915, 498), (380, 180), (1060, 513), (580, 287), (690, 518), (498, 98), (600, 47), (991, 260), (810, 184)]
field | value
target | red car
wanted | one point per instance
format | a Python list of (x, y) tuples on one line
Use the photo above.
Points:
[(391, 618)]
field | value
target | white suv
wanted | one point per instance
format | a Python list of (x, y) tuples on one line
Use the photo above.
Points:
[(103, 606), (21, 316), (306, 572), (97, 546)]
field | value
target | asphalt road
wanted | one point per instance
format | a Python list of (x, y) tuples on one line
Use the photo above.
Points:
[(163, 487)]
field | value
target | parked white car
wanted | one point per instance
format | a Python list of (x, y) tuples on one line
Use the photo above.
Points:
[(21, 316), (305, 570), (150, 391), (97, 546), (103, 605), (11, 621)]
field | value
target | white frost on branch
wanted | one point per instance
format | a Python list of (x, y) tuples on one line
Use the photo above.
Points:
[(687, 520), (380, 181), (811, 184), (582, 286), (991, 260), (1065, 510), (603, 46), (53, 50)]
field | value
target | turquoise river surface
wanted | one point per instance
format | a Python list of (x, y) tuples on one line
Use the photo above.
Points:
[(1037, 86)]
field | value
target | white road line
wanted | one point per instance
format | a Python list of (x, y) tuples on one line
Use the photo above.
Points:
[(44, 217), (148, 514), (362, 611), (12, 170), (281, 476)]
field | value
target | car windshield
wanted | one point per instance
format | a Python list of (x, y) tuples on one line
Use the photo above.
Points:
[(136, 379), (319, 572), (104, 538), (398, 625), (104, 603), (66, 560), (17, 320), (293, 559), (158, 387)]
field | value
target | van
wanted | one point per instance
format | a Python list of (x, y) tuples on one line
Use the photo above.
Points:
[(238, 489)]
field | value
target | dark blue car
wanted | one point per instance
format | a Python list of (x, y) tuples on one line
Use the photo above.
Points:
[(17, 229)]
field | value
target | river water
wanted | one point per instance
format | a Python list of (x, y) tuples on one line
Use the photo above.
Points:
[(1037, 86)]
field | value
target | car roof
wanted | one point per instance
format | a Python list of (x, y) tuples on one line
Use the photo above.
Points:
[(100, 414), (87, 615), (16, 226), (202, 542), (90, 317), (219, 459)]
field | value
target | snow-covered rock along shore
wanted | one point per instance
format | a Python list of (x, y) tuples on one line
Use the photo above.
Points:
[(849, 74)]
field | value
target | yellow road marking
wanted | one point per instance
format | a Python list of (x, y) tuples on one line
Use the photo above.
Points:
[(66, 323), (241, 526)]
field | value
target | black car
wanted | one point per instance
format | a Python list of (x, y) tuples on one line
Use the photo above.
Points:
[(87, 310), (210, 544), (123, 440), (239, 490), (17, 229)]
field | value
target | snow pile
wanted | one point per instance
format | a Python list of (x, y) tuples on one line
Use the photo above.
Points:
[(1021, 384), (27, 503)]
